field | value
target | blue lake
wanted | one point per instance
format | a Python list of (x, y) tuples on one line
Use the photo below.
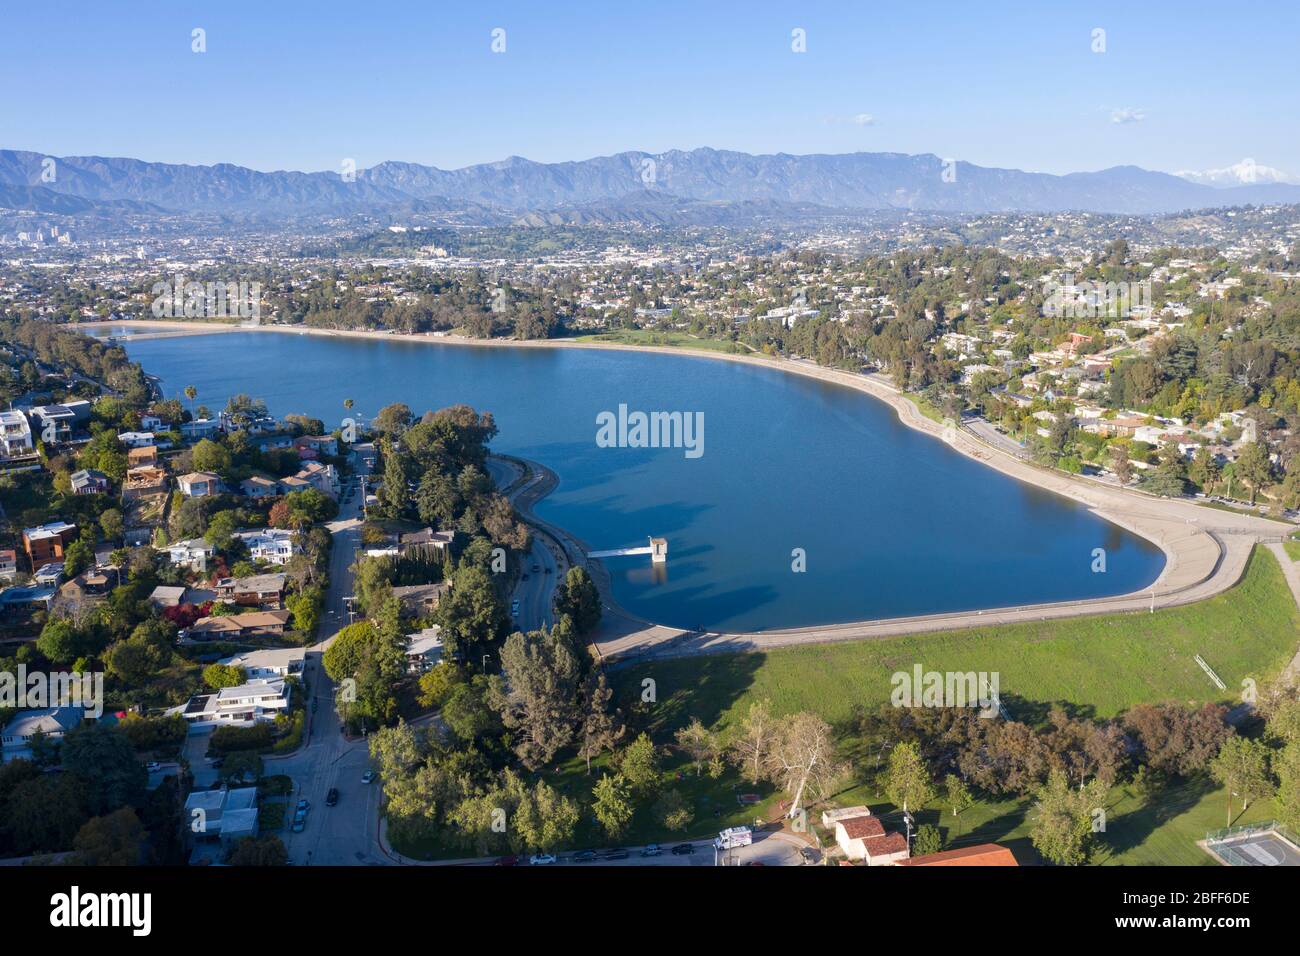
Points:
[(892, 521)]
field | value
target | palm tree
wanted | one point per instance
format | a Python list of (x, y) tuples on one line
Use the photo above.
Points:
[(347, 403), (191, 393)]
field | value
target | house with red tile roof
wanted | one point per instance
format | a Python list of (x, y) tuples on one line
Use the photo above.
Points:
[(982, 854), (865, 838)]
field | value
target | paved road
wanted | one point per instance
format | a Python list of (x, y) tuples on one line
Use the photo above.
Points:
[(535, 589), (768, 849), (344, 834)]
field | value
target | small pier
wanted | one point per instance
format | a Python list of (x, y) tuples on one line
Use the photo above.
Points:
[(657, 549)]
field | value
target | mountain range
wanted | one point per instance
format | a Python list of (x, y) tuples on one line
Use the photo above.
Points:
[(654, 187)]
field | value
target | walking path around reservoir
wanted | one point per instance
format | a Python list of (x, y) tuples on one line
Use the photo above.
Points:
[(1206, 549)]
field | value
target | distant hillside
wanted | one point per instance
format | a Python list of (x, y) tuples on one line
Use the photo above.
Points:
[(643, 186)]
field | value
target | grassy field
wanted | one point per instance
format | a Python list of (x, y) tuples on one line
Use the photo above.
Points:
[(1102, 665), (1292, 548), (1160, 830), (681, 340)]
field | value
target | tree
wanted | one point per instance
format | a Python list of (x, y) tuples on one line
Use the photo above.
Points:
[(545, 819), (1061, 826), (218, 676), (258, 851), (392, 420), (696, 740), (467, 714), (60, 641), (1241, 765), (1254, 467), (600, 726), (928, 840), (750, 748), (437, 683), (802, 759), (907, 780), (612, 804), (104, 760), (191, 393), (1177, 741), (959, 797), (1286, 765), (471, 615), (638, 765), (1120, 464), (116, 839), (209, 455), (579, 599), (112, 524), (672, 811), (77, 557), (45, 813), (536, 694)]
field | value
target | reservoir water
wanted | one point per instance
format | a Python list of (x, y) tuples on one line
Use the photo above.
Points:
[(891, 522)]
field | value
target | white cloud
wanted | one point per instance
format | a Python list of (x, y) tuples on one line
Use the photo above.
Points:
[(864, 119), (1244, 173), (1128, 114)]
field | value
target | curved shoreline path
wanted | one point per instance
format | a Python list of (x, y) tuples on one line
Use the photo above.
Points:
[(1206, 549)]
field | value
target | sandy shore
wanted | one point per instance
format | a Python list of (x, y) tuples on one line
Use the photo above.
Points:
[(1206, 549)]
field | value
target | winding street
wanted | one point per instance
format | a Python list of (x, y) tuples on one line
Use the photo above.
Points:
[(346, 834)]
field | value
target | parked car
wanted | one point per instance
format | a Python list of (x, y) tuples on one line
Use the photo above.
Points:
[(809, 854), (541, 859), (304, 805), (683, 849), (299, 821), (368, 777), (536, 568), (510, 860), (153, 766), (332, 797), (651, 849), (584, 856), (619, 854)]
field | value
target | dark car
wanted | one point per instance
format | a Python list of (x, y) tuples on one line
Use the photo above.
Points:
[(619, 854), (511, 860), (332, 797), (584, 856), (536, 568), (809, 854), (683, 849)]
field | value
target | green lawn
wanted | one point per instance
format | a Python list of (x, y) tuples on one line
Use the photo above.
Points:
[(1292, 548), (1159, 831), (1101, 664)]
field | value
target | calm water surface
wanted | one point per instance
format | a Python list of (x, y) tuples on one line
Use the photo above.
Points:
[(892, 522)]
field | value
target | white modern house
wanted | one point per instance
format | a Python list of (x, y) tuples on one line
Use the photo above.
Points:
[(15, 435), (53, 722), (242, 706), (275, 545), (193, 554), (270, 662), (224, 814)]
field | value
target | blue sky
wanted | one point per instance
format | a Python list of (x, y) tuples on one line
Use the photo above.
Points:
[(287, 85)]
